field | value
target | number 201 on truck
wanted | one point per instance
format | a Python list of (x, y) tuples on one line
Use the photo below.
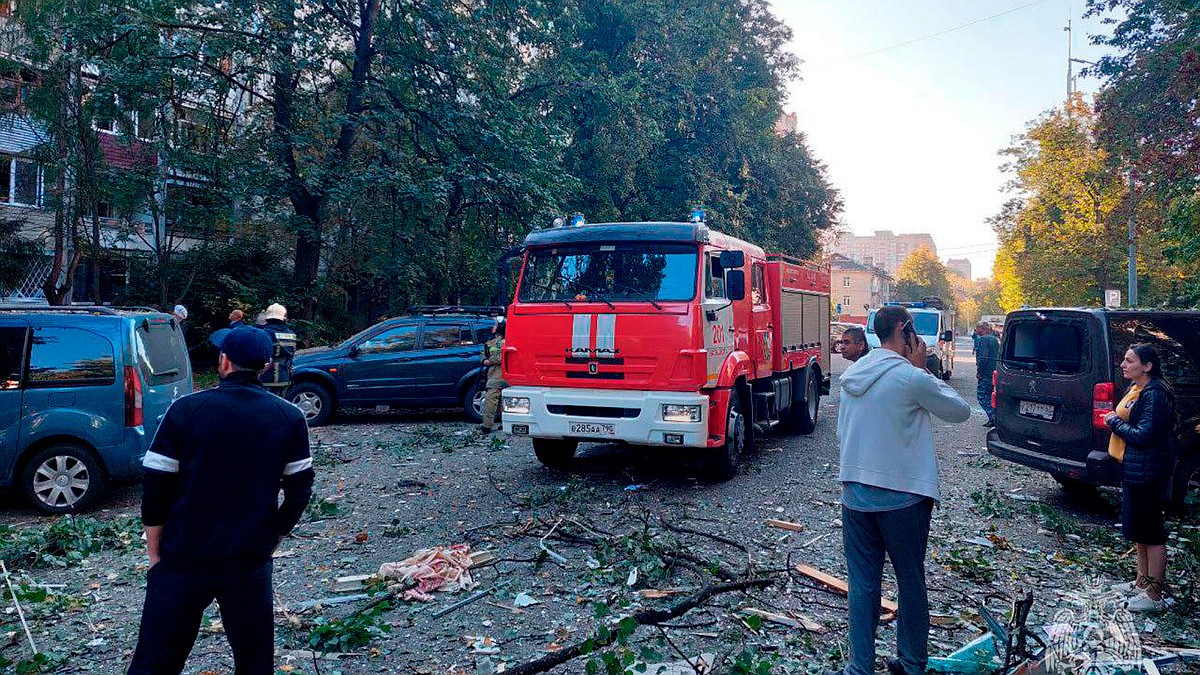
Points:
[(662, 334)]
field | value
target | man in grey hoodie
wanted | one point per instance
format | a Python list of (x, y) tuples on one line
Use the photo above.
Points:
[(889, 477)]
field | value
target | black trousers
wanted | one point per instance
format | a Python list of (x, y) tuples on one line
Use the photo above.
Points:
[(175, 604)]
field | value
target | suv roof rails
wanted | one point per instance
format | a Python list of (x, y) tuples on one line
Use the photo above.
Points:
[(478, 310)]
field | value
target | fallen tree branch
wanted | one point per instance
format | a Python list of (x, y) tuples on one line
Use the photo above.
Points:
[(701, 533), (643, 617)]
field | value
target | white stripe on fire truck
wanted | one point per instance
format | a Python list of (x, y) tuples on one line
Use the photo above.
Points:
[(581, 334), (606, 335)]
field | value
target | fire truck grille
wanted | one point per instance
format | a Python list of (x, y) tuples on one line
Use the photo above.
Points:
[(594, 411)]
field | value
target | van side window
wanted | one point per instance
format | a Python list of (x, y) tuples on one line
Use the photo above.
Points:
[(70, 356), (12, 356), (714, 278), (1176, 339)]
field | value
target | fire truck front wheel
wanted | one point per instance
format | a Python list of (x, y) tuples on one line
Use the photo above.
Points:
[(722, 462), (555, 453)]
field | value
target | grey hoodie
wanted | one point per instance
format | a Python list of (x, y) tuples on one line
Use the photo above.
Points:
[(884, 424)]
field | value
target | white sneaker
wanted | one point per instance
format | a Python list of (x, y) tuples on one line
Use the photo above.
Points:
[(1144, 603), (1127, 588)]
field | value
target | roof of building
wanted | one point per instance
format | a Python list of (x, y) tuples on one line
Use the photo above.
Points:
[(837, 261)]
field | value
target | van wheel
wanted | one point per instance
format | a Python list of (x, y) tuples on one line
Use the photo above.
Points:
[(472, 400), (63, 478), (804, 413), (1074, 487), (722, 462), (314, 401), (555, 453), (934, 364), (1185, 492)]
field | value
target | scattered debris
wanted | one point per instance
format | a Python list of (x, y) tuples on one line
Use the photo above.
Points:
[(784, 525), (789, 620), (443, 569), (843, 589), (461, 603), (353, 582), (523, 599)]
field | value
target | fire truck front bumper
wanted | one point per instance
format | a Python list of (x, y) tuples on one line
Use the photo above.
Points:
[(666, 418)]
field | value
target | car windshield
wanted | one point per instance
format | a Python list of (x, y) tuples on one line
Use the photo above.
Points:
[(926, 323), (610, 272)]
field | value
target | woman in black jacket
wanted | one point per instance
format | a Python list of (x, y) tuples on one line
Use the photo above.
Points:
[(1147, 429)]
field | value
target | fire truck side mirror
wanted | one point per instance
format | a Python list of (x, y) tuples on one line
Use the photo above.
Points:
[(735, 283), (732, 260)]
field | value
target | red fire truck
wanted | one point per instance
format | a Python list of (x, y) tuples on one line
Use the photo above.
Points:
[(662, 334)]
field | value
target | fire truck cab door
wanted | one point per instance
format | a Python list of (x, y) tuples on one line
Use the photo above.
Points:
[(760, 321), (718, 318)]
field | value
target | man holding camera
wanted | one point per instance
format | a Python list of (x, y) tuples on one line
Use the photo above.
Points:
[(889, 485)]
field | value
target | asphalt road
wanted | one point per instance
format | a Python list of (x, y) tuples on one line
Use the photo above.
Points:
[(391, 483)]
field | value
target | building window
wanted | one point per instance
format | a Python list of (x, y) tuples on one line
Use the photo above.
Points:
[(846, 282), (20, 181), (7, 7), (845, 301)]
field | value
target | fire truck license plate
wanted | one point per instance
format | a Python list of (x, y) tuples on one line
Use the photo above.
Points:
[(591, 429), (1042, 411)]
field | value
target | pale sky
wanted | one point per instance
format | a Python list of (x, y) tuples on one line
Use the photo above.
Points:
[(910, 134)]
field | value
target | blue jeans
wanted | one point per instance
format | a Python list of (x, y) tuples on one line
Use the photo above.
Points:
[(983, 391), (903, 534)]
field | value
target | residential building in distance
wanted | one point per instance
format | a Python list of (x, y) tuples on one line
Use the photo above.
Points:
[(857, 287), (960, 266), (883, 249)]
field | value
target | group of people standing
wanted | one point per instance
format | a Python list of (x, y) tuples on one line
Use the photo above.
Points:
[(889, 476)]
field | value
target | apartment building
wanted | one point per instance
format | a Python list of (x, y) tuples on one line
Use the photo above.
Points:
[(959, 266), (130, 139), (884, 249), (856, 287)]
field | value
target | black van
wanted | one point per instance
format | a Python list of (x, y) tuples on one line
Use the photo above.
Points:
[(1059, 375)]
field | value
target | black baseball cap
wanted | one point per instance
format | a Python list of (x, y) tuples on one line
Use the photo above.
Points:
[(246, 346)]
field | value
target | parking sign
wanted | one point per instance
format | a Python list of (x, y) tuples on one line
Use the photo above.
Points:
[(1112, 298)]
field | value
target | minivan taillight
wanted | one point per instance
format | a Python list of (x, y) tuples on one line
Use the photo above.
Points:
[(995, 384), (133, 398), (1104, 399)]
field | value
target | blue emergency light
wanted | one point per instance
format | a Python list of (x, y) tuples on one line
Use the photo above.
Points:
[(697, 215), (577, 220)]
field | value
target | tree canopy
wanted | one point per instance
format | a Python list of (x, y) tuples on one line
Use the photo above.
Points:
[(922, 275), (390, 153)]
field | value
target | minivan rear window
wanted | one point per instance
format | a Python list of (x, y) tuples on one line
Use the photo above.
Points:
[(1048, 346), (161, 353)]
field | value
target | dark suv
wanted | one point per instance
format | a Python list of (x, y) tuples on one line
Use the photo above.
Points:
[(1059, 375), (82, 390), (428, 359)]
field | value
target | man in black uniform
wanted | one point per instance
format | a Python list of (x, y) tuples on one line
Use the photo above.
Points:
[(210, 505), (278, 377)]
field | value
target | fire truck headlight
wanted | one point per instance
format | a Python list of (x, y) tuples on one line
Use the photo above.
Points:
[(680, 413), (517, 405)]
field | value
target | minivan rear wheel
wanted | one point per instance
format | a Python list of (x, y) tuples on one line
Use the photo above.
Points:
[(1074, 487), (63, 478), (1185, 493)]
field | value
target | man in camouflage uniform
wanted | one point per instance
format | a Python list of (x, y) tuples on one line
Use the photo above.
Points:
[(492, 352)]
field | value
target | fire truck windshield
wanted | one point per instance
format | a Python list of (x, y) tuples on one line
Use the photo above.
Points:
[(617, 272)]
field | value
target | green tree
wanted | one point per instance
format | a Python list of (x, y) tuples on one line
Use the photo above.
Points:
[(1149, 120), (922, 275)]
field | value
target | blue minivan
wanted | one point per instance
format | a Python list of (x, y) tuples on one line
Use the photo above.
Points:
[(82, 390)]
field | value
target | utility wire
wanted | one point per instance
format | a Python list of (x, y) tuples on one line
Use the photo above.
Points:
[(934, 35)]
